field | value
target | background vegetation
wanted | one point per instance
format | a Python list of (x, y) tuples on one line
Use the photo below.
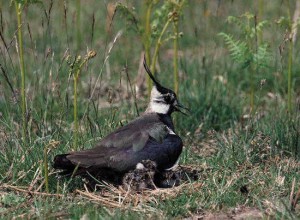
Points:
[(236, 68)]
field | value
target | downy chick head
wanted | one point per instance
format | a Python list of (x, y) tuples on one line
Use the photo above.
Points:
[(162, 100)]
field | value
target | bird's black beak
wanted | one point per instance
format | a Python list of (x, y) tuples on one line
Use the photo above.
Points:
[(180, 108)]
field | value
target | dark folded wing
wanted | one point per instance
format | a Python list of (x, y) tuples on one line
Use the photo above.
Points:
[(164, 153), (124, 148)]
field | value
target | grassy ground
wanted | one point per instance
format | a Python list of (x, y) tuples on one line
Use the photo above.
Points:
[(249, 163)]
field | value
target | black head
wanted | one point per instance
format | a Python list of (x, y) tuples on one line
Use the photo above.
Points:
[(162, 100)]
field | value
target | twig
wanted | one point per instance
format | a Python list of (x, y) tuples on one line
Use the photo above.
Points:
[(131, 89), (292, 193), (97, 198), (31, 192), (295, 201), (8, 82)]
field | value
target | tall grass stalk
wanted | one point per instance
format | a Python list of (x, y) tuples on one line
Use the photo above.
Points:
[(76, 68), (290, 58), (147, 36), (178, 5), (175, 59), (78, 11), (260, 18), (18, 7), (158, 44), (162, 17), (46, 173), (253, 66), (76, 124), (290, 69), (253, 71), (51, 145)]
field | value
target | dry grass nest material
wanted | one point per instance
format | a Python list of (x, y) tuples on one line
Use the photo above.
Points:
[(129, 195), (126, 195)]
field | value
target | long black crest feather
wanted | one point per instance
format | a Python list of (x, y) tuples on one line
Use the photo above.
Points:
[(150, 73)]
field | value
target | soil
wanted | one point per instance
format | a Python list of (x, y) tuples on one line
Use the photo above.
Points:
[(239, 213)]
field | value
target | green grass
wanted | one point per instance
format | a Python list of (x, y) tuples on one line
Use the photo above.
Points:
[(260, 154)]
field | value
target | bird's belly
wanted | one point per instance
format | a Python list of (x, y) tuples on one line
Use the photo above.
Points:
[(174, 166), (165, 154)]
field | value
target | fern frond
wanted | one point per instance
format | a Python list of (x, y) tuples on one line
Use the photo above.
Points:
[(259, 28), (239, 51), (263, 56), (261, 25)]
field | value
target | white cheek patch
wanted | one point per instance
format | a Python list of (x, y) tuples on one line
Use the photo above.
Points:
[(157, 103), (159, 107)]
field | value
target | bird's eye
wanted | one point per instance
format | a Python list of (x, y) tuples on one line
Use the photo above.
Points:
[(168, 98)]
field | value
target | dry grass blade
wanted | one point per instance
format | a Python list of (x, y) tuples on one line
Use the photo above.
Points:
[(296, 199), (18, 189), (92, 196), (134, 198), (292, 193), (124, 198)]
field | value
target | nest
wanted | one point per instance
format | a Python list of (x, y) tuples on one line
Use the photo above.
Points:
[(139, 189), (144, 186), (146, 176)]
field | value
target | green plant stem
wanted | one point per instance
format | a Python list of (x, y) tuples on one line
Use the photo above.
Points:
[(147, 37), (46, 174), (252, 89), (290, 67), (157, 46), (78, 4), (22, 68), (75, 111), (76, 123), (175, 60), (260, 17), (252, 68), (290, 59)]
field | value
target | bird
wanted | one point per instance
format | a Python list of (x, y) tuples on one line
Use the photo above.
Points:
[(141, 179), (151, 136)]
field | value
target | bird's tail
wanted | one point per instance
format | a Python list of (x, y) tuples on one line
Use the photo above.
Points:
[(62, 162)]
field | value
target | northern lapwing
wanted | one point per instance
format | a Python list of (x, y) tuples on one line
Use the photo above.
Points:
[(151, 136)]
